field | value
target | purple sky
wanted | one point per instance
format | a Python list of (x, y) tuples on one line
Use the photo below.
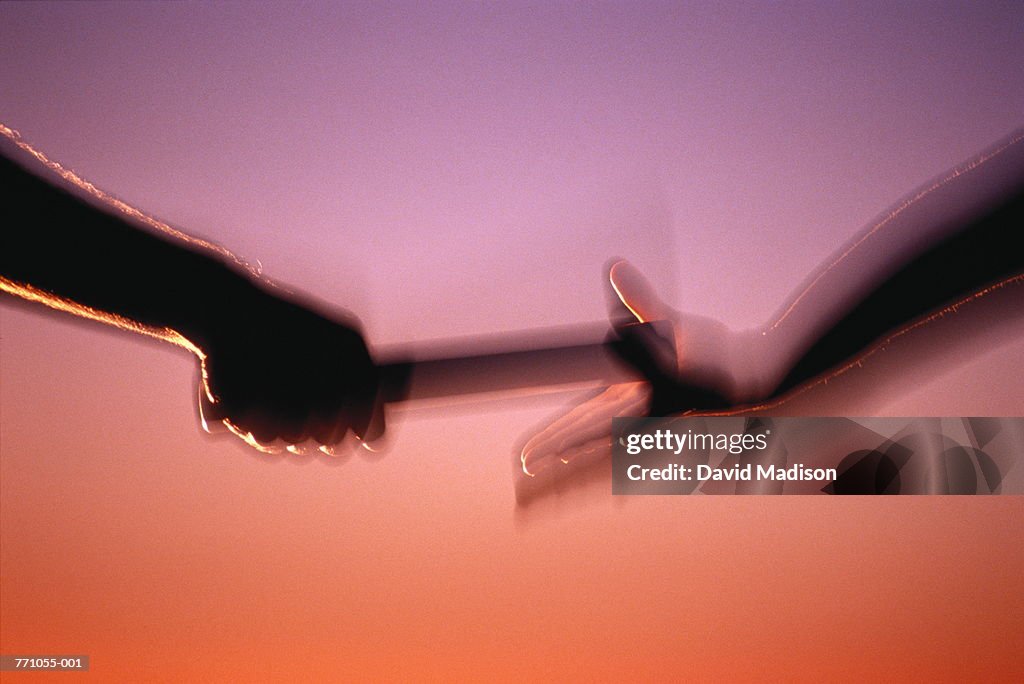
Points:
[(399, 160)]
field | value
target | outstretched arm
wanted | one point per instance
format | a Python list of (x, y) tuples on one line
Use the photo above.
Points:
[(272, 369), (955, 239), (944, 243)]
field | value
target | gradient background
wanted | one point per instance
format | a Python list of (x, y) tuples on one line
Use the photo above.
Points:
[(464, 171)]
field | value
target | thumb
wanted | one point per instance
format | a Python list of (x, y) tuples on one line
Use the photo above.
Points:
[(643, 322), (211, 413), (635, 293)]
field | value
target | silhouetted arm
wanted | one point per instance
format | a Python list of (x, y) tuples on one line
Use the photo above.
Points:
[(943, 243), (954, 239), (272, 367), (947, 241), (68, 252)]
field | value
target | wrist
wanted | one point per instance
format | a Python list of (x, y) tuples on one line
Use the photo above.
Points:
[(226, 302)]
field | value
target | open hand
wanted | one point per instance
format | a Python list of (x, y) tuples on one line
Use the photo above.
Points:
[(686, 360)]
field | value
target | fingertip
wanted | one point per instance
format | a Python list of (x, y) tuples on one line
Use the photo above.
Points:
[(635, 292), (533, 457), (210, 413), (266, 447), (375, 442), (373, 428), (372, 447)]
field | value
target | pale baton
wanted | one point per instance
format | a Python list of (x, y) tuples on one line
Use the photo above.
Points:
[(546, 367)]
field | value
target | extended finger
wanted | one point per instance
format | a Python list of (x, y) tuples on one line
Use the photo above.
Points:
[(636, 293), (583, 425)]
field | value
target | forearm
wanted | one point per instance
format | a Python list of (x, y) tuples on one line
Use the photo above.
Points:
[(942, 245), (71, 247)]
